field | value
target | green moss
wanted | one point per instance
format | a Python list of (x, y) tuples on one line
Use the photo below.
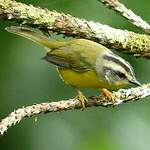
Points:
[(138, 43)]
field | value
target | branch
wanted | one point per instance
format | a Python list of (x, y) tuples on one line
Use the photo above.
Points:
[(127, 14), (70, 26), (122, 40), (123, 95)]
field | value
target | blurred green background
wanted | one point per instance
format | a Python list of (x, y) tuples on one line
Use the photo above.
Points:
[(26, 79)]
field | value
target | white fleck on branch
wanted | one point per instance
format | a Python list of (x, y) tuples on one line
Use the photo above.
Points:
[(43, 19), (70, 26), (123, 95), (127, 13)]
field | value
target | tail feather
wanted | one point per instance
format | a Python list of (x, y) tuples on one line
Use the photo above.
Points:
[(34, 36)]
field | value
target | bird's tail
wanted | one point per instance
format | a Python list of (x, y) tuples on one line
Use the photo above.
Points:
[(35, 36)]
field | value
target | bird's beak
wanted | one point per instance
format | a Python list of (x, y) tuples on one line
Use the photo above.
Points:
[(135, 82)]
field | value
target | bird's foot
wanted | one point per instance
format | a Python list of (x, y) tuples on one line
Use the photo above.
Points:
[(109, 95), (83, 100)]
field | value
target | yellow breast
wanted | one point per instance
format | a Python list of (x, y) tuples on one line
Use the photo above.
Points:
[(87, 79)]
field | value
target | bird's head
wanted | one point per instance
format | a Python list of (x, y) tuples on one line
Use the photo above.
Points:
[(117, 71)]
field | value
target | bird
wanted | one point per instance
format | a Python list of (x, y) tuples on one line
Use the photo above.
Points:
[(82, 63)]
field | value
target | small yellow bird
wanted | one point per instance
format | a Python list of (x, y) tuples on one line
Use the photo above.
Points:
[(83, 63)]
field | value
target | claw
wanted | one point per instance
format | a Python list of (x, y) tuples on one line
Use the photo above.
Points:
[(110, 96), (83, 100)]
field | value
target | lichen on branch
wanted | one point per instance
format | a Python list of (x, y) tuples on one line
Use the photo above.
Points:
[(68, 25), (123, 40), (121, 96), (127, 14)]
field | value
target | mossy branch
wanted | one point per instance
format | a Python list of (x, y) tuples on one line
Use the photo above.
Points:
[(122, 96), (68, 25), (123, 40)]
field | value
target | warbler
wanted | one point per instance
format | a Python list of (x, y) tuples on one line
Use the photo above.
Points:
[(83, 63)]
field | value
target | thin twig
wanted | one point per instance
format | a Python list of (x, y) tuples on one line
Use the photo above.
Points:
[(71, 26), (122, 40), (127, 13), (123, 95)]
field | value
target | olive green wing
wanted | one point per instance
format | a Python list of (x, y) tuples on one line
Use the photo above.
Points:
[(79, 54), (73, 56)]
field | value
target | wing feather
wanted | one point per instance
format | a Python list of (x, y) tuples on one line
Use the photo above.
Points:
[(73, 56)]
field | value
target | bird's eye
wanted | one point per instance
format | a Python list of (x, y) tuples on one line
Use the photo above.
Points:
[(121, 75)]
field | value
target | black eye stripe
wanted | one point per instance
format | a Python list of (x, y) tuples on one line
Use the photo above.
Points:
[(117, 73), (117, 61), (121, 75)]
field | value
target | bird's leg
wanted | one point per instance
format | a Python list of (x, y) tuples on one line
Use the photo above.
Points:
[(83, 100), (109, 95)]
